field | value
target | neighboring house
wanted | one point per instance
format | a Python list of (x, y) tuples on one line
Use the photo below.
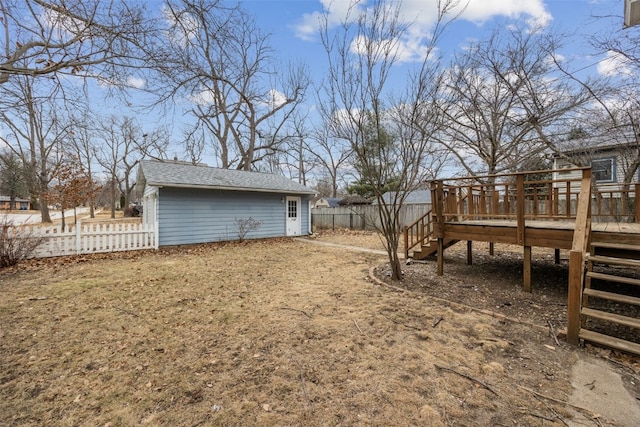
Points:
[(327, 202), (199, 204), (19, 204), (353, 200), (609, 163), (416, 197)]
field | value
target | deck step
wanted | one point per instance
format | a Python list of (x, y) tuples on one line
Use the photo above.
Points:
[(613, 278), (615, 261), (432, 248), (620, 246), (625, 299), (611, 317), (609, 341)]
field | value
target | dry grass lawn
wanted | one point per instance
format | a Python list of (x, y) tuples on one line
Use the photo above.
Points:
[(269, 333)]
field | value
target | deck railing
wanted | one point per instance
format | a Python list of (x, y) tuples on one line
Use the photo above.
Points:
[(416, 233), (526, 193), (522, 197)]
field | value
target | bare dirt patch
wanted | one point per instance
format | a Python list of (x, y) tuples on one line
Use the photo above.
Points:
[(275, 332)]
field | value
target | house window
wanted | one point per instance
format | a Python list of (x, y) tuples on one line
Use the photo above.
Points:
[(292, 209), (604, 170)]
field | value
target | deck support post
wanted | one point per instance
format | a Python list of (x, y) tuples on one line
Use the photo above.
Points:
[(469, 252), (440, 256), (556, 255), (576, 274), (526, 269), (491, 248)]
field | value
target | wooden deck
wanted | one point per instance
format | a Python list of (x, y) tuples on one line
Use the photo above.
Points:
[(522, 209)]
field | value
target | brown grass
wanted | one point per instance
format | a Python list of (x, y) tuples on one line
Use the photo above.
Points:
[(268, 333)]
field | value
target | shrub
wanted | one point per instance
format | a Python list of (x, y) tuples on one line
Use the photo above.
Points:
[(16, 243), (245, 225)]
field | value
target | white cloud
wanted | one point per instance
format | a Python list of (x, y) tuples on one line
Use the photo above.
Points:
[(420, 15), (276, 99), (183, 26), (136, 82), (336, 12), (203, 97), (534, 11), (614, 64)]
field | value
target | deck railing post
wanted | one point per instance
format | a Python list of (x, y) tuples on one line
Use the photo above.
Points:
[(520, 207), (437, 187), (581, 238), (405, 231), (637, 207)]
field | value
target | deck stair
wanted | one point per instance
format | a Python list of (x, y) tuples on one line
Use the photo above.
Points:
[(430, 247), (611, 267)]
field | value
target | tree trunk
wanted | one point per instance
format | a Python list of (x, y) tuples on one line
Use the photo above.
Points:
[(64, 223), (44, 211)]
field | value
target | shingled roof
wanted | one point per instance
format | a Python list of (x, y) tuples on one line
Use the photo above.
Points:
[(179, 174)]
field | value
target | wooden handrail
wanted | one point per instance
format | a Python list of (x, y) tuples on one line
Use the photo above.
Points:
[(417, 232), (491, 177)]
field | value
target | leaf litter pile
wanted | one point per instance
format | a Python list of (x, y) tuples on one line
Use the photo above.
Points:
[(271, 333)]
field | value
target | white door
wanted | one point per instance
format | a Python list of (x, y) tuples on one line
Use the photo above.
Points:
[(294, 226)]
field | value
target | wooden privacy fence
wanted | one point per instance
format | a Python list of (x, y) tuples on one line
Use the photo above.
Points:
[(89, 238), (362, 217)]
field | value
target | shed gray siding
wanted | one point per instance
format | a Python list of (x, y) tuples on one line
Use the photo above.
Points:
[(187, 216)]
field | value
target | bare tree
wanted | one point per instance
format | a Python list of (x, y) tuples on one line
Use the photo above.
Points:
[(504, 103), (31, 112), (293, 158), (332, 153), (611, 122), (217, 59), (91, 38), (617, 42), (82, 145), (391, 134), (122, 146)]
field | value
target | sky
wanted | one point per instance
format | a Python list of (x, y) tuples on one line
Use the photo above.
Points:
[(293, 26), (294, 30)]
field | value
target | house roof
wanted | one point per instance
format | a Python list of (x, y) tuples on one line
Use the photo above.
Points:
[(597, 144), (8, 199), (333, 202), (177, 174), (354, 199), (413, 197)]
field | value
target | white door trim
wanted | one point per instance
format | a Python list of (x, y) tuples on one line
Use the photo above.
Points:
[(293, 221)]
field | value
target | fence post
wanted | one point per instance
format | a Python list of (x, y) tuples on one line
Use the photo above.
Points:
[(78, 230)]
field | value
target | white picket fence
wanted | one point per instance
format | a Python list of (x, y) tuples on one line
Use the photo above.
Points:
[(90, 238)]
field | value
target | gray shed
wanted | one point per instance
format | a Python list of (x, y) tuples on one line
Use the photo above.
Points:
[(198, 204)]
